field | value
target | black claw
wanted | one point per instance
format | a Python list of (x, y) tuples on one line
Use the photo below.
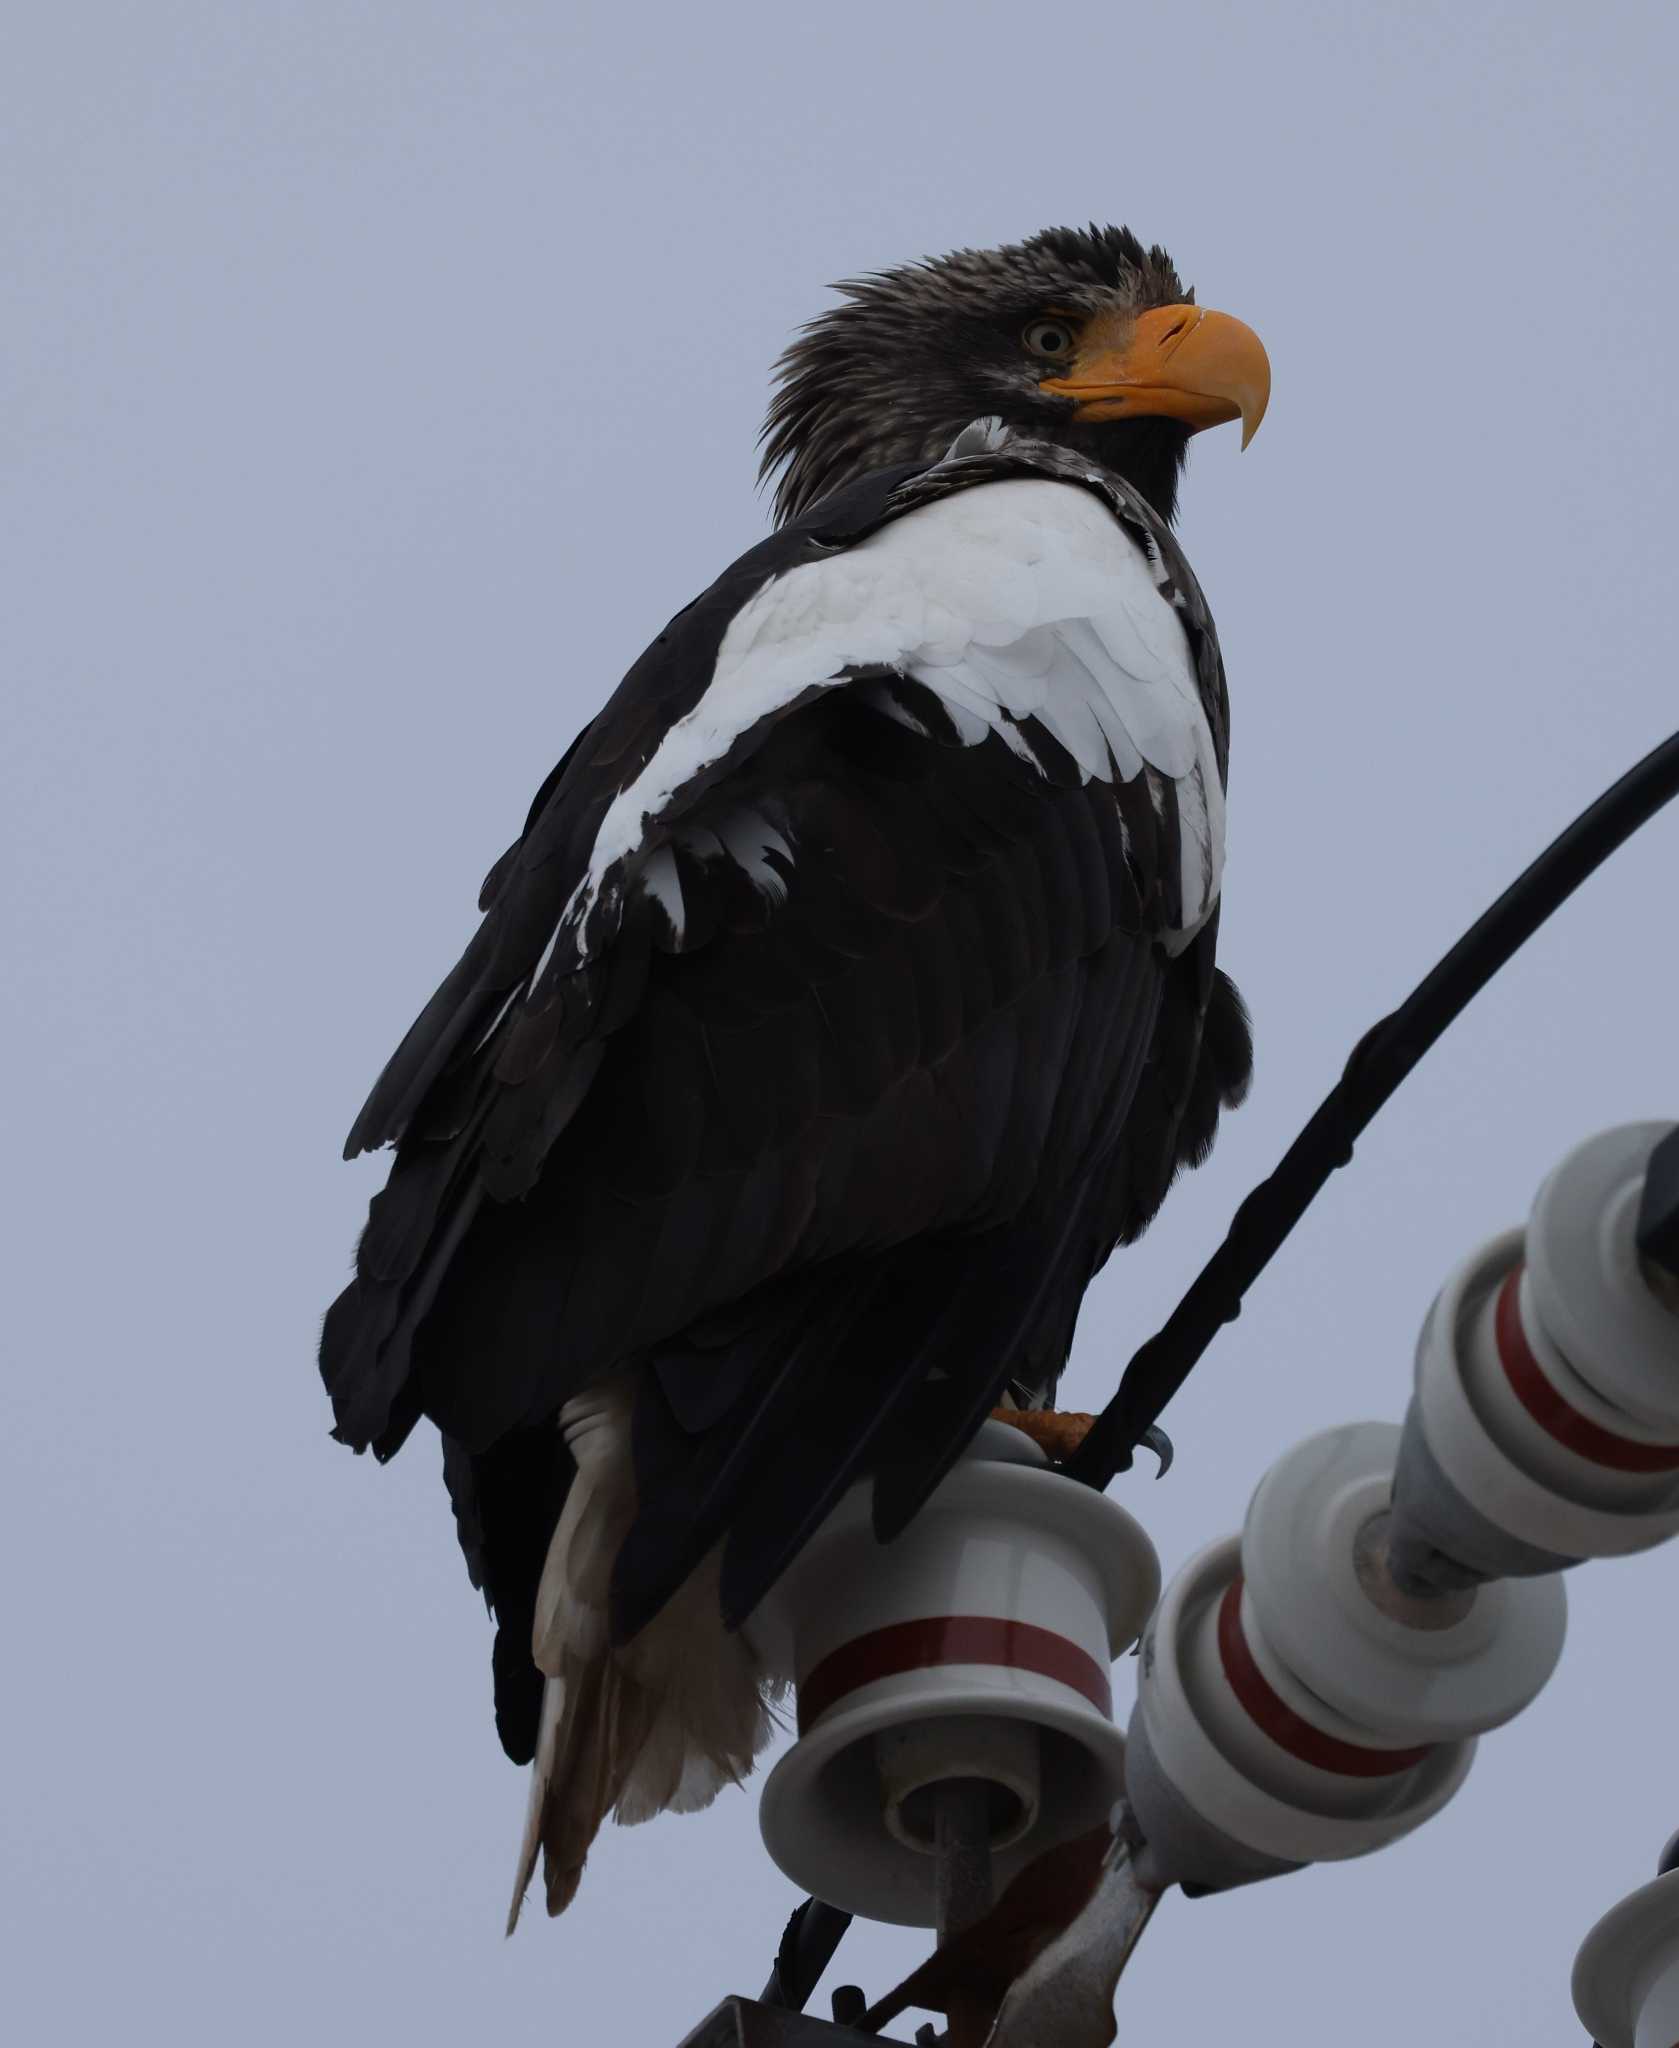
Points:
[(1156, 1440)]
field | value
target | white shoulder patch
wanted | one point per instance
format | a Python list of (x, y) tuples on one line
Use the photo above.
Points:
[(1023, 598)]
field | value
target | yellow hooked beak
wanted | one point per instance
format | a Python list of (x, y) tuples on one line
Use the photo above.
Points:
[(1177, 363)]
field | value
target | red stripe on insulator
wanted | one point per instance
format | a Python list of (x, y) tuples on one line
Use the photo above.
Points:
[(1564, 1424), (1272, 1715), (951, 1639)]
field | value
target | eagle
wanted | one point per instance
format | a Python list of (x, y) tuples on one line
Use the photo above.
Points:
[(847, 998)]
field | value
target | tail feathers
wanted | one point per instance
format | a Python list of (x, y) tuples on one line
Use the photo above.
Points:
[(570, 1791), (712, 1710), (659, 1724), (611, 1744)]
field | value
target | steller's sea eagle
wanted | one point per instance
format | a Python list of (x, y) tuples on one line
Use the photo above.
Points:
[(848, 996)]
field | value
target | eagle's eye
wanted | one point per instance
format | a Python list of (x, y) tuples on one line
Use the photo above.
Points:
[(1050, 338)]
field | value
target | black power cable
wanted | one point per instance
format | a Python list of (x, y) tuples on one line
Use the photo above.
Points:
[(1379, 1062)]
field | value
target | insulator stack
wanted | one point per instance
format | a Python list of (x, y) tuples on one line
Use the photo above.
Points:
[(1315, 1691)]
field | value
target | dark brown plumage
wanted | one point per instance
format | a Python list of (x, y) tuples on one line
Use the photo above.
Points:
[(835, 1014)]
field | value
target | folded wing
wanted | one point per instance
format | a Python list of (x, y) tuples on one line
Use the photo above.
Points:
[(842, 1003)]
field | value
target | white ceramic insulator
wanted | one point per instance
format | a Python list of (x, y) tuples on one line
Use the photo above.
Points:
[(1626, 1976), (1404, 1671), (1567, 1472), (1004, 1602), (1253, 1776), (1547, 1384), (1298, 1702)]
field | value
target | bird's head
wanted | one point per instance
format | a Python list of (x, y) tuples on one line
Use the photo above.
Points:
[(1079, 336)]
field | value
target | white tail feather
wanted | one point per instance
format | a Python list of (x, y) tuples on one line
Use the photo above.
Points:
[(661, 1724), (542, 1776)]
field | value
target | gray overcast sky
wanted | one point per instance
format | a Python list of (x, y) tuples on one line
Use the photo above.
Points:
[(379, 377)]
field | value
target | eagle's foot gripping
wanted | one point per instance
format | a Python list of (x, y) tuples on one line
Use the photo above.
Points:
[(1055, 1431)]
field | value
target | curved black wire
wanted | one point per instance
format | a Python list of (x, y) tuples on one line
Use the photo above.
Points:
[(1379, 1062)]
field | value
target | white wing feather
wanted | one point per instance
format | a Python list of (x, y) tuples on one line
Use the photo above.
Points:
[(1024, 598)]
